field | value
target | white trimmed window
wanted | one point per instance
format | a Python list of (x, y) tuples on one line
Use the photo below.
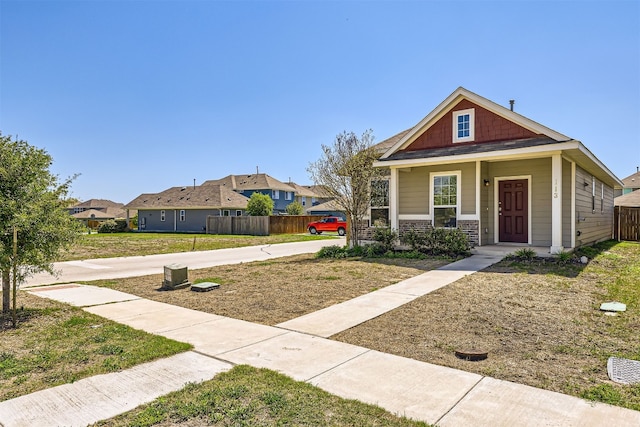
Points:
[(238, 213), (288, 195), (162, 215), (183, 215), (225, 212), (379, 212), (464, 125), (275, 194), (445, 201), (303, 201)]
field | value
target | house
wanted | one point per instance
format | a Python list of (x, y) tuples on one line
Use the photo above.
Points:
[(303, 194), (185, 209), (500, 177), (282, 194), (629, 200), (330, 208), (94, 211), (629, 184)]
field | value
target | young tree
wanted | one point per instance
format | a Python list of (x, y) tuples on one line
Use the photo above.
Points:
[(294, 208), (259, 205), (346, 170), (34, 224)]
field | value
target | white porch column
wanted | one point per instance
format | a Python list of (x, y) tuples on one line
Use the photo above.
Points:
[(556, 204), (393, 200)]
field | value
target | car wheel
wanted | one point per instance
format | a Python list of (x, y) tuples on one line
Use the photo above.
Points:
[(341, 231), (312, 230)]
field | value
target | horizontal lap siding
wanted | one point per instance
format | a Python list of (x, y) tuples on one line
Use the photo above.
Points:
[(414, 192), (414, 187), (592, 226)]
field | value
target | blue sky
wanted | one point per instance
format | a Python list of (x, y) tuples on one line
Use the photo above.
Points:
[(139, 96)]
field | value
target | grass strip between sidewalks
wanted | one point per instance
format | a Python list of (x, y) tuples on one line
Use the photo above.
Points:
[(247, 396)]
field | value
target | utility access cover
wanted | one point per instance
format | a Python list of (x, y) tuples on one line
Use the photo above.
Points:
[(624, 371)]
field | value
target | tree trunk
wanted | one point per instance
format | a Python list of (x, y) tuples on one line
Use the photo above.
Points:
[(6, 291)]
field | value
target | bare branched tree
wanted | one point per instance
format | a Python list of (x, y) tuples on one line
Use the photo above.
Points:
[(345, 171)]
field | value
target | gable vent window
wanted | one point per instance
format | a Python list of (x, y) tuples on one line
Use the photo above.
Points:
[(463, 125)]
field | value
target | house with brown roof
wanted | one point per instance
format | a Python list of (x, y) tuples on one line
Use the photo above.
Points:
[(94, 211), (501, 177), (629, 184), (282, 194), (185, 209)]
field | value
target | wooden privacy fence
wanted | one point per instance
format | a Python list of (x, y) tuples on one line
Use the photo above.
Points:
[(259, 225), (626, 223)]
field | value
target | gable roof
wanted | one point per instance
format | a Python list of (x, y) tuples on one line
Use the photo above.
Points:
[(258, 181), (301, 190), (630, 199), (97, 203), (212, 196), (632, 181), (541, 141)]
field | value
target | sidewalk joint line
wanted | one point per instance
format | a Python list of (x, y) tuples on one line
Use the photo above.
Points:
[(459, 400), (367, 350)]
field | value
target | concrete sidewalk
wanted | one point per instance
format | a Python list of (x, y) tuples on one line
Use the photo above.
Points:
[(114, 268), (418, 390)]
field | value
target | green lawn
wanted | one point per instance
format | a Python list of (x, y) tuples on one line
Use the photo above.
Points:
[(129, 244), (56, 343), (247, 396)]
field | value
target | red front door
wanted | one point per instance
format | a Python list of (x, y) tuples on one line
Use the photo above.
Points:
[(513, 211)]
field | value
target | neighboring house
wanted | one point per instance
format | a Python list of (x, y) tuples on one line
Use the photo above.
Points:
[(629, 184), (185, 209), (330, 208), (497, 175), (303, 195), (95, 211), (282, 194), (629, 200)]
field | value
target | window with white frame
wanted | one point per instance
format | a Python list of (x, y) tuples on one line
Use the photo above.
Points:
[(379, 212), (183, 215), (275, 194), (225, 212), (238, 213), (445, 190), (288, 195), (303, 201), (464, 125), (162, 215)]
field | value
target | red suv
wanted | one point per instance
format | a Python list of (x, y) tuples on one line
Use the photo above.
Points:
[(330, 223)]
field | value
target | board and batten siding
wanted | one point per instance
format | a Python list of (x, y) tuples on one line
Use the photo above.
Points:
[(592, 225), (540, 188)]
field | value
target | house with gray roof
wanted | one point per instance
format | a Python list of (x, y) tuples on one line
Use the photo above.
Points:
[(185, 209), (282, 194)]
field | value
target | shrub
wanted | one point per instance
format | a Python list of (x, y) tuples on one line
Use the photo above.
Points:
[(113, 226), (524, 254), (385, 238), (438, 241), (564, 257), (333, 251)]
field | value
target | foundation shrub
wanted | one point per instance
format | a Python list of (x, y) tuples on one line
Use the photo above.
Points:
[(438, 241)]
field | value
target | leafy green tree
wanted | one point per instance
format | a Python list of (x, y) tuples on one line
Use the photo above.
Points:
[(34, 224), (259, 205), (346, 171), (294, 208)]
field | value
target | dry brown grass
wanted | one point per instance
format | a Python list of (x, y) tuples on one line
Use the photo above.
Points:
[(541, 325), (271, 292)]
